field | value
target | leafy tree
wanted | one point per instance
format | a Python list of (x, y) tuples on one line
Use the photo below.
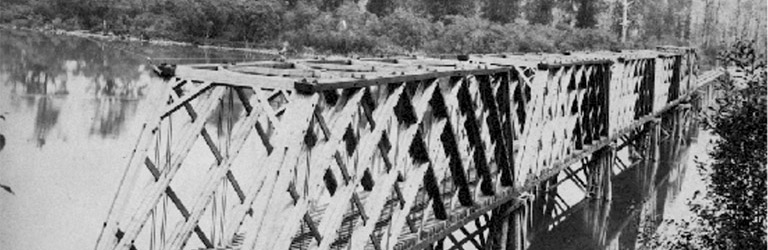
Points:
[(440, 9), (381, 8), (501, 11), (586, 15), (738, 175), (330, 5), (734, 212), (540, 12), (406, 29), (257, 21)]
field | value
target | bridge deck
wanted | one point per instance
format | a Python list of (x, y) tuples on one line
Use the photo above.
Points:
[(376, 153)]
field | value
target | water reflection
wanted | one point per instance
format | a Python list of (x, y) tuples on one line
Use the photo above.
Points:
[(642, 188), (71, 111), (47, 116), (44, 73)]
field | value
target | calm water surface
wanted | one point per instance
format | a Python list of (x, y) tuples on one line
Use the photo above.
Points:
[(73, 109), (642, 197)]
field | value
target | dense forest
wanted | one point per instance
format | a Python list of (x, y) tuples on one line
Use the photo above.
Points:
[(407, 26)]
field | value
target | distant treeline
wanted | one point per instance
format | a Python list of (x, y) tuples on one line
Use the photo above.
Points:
[(377, 26)]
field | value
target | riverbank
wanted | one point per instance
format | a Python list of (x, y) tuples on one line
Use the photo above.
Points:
[(111, 37)]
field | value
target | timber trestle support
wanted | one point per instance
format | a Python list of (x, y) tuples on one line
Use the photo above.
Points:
[(388, 153)]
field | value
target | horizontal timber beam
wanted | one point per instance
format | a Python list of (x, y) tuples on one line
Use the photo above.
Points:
[(223, 76), (331, 84)]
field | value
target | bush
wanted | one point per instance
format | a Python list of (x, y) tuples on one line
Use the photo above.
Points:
[(734, 215), (9, 12), (470, 35), (149, 25), (586, 39), (534, 38), (406, 30), (346, 30)]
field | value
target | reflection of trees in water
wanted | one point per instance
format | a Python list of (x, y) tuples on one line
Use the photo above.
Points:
[(31, 63), (47, 116), (110, 115), (39, 64)]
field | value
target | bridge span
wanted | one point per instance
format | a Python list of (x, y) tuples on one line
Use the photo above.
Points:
[(392, 153)]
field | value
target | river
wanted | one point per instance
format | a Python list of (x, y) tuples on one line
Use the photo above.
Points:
[(72, 109)]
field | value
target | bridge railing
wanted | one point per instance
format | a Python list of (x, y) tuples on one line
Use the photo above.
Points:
[(371, 153)]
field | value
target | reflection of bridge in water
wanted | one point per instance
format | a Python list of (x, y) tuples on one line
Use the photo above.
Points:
[(406, 153)]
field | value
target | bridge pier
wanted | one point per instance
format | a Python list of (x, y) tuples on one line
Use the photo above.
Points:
[(599, 173), (514, 233)]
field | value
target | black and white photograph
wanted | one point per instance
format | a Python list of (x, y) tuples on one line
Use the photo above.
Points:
[(383, 124)]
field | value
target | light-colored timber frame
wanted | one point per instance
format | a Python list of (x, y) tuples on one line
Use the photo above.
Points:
[(404, 151)]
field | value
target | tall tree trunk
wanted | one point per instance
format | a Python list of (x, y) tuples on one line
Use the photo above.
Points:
[(624, 21)]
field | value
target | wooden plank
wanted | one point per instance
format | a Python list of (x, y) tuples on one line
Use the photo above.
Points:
[(177, 202), (227, 77), (331, 84), (259, 129), (470, 237), (555, 64), (273, 72), (569, 175), (288, 140), (156, 189), (212, 146), (219, 172), (368, 144), (400, 216), (106, 237), (177, 104), (418, 175), (456, 244), (474, 133), (506, 109), (277, 234), (373, 205)]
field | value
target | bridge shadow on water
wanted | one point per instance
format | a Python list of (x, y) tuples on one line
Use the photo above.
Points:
[(645, 178)]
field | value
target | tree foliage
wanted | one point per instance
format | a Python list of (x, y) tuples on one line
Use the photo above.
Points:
[(734, 209), (518, 25), (586, 16), (381, 8), (738, 174), (440, 9), (540, 12), (501, 11)]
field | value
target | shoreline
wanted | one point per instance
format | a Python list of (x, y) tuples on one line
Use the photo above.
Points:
[(129, 38)]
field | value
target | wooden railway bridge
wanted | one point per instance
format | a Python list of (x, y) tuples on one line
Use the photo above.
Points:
[(390, 153)]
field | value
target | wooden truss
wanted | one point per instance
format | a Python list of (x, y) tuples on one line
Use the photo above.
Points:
[(382, 153)]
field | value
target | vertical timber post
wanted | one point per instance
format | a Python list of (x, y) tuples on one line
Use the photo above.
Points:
[(655, 130), (624, 21), (599, 176), (517, 238), (499, 227), (512, 223)]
